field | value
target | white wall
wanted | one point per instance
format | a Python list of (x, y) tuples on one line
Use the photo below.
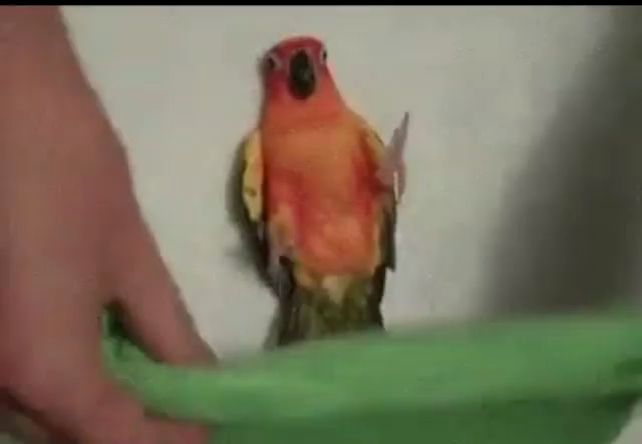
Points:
[(488, 166)]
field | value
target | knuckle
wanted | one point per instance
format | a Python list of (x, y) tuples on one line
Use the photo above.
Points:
[(33, 385)]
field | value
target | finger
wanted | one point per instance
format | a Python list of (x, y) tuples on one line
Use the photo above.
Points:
[(21, 428), (152, 309), (78, 400), (53, 369), (15, 422)]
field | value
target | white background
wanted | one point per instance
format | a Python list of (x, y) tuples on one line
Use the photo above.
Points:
[(516, 198)]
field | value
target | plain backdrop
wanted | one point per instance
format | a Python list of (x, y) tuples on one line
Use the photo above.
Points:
[(523, 184)]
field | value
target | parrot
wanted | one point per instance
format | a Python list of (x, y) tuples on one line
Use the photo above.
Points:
[(321, 190)]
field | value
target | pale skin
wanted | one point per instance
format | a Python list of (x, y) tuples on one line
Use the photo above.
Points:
[(72, 239)]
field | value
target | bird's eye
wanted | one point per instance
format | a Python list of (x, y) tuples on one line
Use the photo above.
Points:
[(272, 62), (324, 56)]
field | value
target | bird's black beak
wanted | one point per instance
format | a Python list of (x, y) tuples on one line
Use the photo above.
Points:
[(302, 81)]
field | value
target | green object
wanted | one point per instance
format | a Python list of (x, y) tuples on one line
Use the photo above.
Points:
[(562, 380)]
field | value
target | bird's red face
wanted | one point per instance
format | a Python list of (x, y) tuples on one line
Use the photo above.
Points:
[(295, 70)]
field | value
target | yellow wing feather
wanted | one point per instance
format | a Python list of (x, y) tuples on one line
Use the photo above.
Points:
[(253, 176), (373, 140), (388, 220)]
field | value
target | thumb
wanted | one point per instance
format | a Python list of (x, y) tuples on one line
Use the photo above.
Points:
[(152, 309)]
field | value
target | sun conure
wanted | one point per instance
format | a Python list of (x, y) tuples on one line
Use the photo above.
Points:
[(321, 191)]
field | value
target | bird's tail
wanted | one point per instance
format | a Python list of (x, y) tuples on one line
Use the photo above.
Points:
[(311, 313)]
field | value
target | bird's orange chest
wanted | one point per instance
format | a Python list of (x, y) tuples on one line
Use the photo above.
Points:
[(324, 162), (320, 182)]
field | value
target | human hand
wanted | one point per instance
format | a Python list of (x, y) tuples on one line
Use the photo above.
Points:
[(72, 239)]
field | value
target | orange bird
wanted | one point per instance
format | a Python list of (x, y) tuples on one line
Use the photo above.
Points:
[(321, 190)]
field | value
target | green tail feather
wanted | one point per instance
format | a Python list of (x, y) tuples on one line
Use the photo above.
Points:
[(312, 314)]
